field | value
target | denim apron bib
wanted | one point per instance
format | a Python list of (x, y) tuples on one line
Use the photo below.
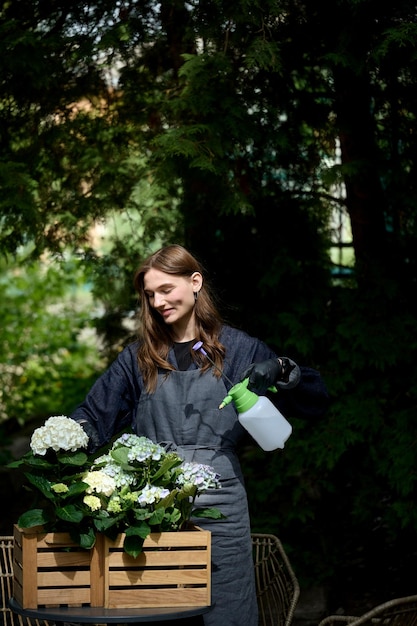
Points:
[(183, 415)]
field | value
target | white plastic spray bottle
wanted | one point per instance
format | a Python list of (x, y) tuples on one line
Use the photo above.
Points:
[(256, 413), (259, 416)]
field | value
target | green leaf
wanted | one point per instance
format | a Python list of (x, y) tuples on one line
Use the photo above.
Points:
[(169, 500), (42, 484), (168, 463), (187, 491), (121, 456), (70, 513), (171, 518), (84, 539), (104, 523), (141, 514), (133, 545), (142, 530), (37, 461), (15, 464), (210, 513), (75, 489), (34, 517), (72, 458), (157, 516)]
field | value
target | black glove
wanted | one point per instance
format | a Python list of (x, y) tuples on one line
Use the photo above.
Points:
[(93, 437), (282, 372)]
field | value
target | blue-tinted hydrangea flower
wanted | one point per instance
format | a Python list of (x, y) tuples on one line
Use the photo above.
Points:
[(141, 448), (150, 495), (201, 476), (116, 472)]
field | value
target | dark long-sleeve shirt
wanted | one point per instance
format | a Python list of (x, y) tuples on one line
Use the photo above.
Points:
[(112, 402)]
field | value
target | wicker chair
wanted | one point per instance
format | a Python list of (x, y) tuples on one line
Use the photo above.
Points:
[(7, 617), (397, 612), (277, 587)]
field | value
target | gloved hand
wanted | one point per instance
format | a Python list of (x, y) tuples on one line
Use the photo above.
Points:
[(93, 437), (282, 372)]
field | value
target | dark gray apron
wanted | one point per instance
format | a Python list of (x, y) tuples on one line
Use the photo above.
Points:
[(183, 415)]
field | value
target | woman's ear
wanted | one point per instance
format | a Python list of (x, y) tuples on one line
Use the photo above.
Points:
[(197, 281)]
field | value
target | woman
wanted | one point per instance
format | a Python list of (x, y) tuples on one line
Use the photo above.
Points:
[(171, 394)]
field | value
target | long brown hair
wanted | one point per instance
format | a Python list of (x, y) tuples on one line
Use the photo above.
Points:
[(155, 336)]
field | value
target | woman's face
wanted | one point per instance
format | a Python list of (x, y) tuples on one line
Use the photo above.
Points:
[(172, 296)]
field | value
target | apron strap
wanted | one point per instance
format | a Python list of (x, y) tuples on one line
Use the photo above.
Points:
[(170, 446)]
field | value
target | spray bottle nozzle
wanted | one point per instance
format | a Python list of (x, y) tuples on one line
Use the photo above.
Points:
[(199, 346), (239, 388)]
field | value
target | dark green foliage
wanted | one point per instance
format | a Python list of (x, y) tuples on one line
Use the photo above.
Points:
[(344, 489), (238, 128)]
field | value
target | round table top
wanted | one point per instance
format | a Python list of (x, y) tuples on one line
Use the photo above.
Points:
[(99, 615)]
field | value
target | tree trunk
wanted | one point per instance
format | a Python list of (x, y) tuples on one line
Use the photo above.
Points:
[(365, 200)]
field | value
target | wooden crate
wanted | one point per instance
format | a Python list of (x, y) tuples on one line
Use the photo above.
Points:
[(50, 570), (173, 570)]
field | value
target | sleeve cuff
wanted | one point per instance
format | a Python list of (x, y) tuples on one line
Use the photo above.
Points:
[(293, 378)]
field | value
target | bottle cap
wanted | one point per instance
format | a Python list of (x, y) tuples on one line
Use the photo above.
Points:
[(241, 396)]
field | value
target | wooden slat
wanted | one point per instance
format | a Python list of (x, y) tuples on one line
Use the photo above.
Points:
[(29, 567), (157, 558), (167, 540), (58, 578), (55, 597), (97, 572), (64, 559), (53, 540), (131, 598), (158, 577)]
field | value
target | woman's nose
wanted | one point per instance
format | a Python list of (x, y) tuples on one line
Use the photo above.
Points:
[(158, 300)]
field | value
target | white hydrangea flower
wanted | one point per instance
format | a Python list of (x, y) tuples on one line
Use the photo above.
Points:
[(92, 502), (59, 488), (99, 482), (58, 433)]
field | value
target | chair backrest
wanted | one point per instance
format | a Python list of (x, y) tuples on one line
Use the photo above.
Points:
[(277, 587), (396, 612), (7, 617)]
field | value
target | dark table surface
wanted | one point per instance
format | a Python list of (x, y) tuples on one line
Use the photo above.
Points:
[(98, 615)]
